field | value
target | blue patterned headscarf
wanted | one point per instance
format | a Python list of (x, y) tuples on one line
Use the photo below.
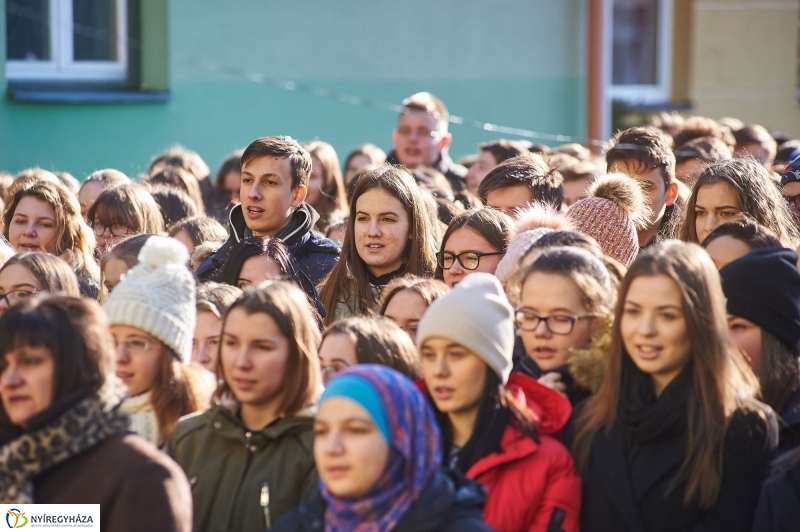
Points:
[(415, 455)]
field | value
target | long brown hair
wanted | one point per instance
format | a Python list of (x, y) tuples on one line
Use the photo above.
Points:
[(288, 307), (721, 380), (332, 195), (348, 282)]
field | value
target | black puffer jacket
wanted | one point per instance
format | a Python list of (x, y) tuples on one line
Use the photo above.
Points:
[(450, 503)]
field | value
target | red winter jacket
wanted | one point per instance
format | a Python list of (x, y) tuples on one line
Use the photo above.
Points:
[(528, 482)]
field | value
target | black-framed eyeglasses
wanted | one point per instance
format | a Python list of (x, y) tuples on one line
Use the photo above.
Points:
[(561, 324), (116, 229), (15, 297), (469, 260)]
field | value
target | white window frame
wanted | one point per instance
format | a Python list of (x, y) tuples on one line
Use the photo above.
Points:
[(61, 66), (661, 91)]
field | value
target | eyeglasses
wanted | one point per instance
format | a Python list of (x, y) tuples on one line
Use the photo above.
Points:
[(405, 131), (469, 260), (15, 297), (561, 324), (135, 346), (116, 229), (329, 372)]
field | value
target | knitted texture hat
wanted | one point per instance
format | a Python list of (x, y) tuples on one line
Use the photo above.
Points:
[(764, 287), (615, 208), (475, 314), (517, 249), (158, 296)]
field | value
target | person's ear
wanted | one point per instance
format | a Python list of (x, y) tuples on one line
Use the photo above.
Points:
[(299, 195), (672, 194), (445, 141)]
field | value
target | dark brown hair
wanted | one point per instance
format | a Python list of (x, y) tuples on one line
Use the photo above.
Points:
[(648, 148), (756, 134), (348, 282), (378, 340), (177, 177), (175, 204), (232, 163), (428, 289), (130, 205), (491, 224), (700, 126), (200, 229), (289, 309), (52, 273), (332, 194), (708, 149), (720, 382), (216, 298), (187, 159), (533, 171), (503, 149), (287, 147), (746, 230)]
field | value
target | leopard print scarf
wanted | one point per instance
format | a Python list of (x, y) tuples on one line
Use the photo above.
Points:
[(88, 423)]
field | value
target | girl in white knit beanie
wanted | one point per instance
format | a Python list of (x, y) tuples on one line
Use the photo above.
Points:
[(152, 317)]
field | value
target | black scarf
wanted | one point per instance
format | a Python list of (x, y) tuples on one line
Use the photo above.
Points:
[(646, 417)]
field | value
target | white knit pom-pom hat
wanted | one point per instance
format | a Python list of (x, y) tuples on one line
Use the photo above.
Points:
[(158, 296)]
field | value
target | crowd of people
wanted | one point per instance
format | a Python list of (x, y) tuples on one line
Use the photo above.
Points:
[(533, 339)]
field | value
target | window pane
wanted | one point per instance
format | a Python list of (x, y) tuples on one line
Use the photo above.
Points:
[(95, 30), (28, 30), (635, 53)]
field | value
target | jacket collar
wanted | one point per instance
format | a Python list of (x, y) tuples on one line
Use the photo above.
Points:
[(300, 224), (225, 418)]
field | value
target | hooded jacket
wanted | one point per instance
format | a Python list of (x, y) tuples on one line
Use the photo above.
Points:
[(231, 468), (455, 173), (315, 255), (450, 503), (532, 486)]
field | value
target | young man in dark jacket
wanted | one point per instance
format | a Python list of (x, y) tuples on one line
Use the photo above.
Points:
[(275, 174), (421, 139)]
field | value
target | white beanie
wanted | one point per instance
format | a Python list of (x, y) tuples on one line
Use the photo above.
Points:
[(517, 249), (477, 315), (158, 296)]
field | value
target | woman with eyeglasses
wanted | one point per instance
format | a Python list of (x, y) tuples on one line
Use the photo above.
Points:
[(46, 217), (361, 340), (563, 319), (475, 241), (152, 316), (122, 211), (27, 274), (389, 234), (499, 428)]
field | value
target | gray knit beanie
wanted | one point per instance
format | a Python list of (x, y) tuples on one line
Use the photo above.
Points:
[(158, 296), (475, 314)]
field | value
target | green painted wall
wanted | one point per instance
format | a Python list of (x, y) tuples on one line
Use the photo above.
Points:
[(515, 62)]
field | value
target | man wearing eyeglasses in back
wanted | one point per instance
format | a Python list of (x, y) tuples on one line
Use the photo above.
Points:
[(421, 138)]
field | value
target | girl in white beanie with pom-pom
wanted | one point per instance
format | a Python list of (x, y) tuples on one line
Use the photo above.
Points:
[(152, 316)]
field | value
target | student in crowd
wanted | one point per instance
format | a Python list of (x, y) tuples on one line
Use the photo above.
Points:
[(378, 451), (578, 176), (762, 292), (475, 241), (674, 439), (227, 183), (68, 443), (790, 187), (645, 154), (95, 184), (700, 126), (177, 177), (122, 211), (405, 299), (360, 158), (737, 238), (196, 230), (275, 174), (152, 317), (258, 258), (728, 188), (190, 161), (249, 456), (518, 182), (566, 301), (498, 428), (373, 340), (755, 141), (326, 191), (787, 152), (692, 157), (119, 259), (421, 138), (26, 274), (175, 204), (389, 235), (613, 211), (44, 216), (212, 302), (490, 154)]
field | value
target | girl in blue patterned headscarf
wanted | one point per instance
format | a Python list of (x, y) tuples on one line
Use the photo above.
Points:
[(404, 418)]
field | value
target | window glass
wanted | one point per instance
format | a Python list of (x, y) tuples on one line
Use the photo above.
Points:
[(28, 30)]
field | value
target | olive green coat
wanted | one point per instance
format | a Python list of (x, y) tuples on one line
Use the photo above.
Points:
[(229, 467)]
